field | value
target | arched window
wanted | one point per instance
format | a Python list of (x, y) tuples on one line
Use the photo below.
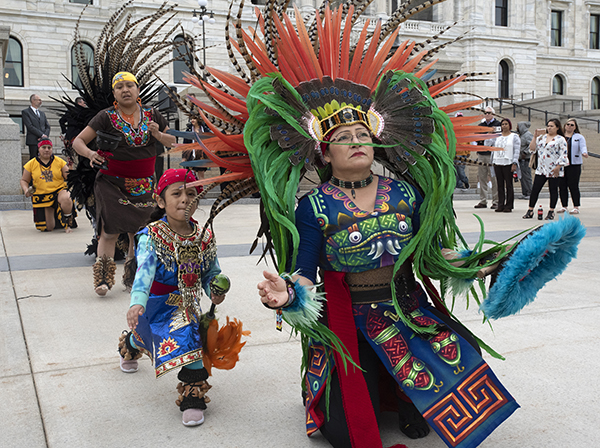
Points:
[(87, 56), (13, 67), (182, 52), (595, 93), (558, 85), (503, 79)]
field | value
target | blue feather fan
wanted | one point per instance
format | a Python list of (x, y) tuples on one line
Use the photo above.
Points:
[(540, 257)]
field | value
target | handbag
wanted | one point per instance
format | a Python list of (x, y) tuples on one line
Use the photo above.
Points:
[(533, 161)]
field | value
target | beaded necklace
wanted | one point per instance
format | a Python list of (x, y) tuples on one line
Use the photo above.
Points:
[(351, 184)]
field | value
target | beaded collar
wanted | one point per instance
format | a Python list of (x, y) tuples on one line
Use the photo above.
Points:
[(351, 184)]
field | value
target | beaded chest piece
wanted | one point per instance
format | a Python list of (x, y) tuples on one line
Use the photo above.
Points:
[(189, 254)]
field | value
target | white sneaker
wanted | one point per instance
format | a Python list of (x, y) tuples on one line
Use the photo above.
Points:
[(192, 417), (130, 366), (561, 210)]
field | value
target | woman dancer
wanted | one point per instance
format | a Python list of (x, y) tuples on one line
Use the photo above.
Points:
[(123, 188), (577, 149), (348, 105), (175, 261), (550, 147), (505, 163), (52, 204)]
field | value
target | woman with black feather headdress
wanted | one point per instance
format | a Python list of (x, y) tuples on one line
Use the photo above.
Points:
[(139, 47), (126, 135)]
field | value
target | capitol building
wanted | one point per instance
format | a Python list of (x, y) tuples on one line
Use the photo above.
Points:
[(529, 50)]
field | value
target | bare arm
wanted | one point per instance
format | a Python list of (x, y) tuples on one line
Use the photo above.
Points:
[(25, 179), (164, 139), (80, 146)]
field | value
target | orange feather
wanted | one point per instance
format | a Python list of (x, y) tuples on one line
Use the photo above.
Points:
[(358, 51), (307, 45), (367, 65), (346, 43), (234, 82)]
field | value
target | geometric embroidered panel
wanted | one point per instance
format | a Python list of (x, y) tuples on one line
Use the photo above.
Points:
[(461, 413)]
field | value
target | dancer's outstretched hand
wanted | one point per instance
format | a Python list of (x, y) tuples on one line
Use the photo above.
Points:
[(132, 315), (272, 290)]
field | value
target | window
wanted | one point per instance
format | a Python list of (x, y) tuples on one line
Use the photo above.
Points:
[(595, 93), (501, 12), (425, 15), (556, 29), (82, 2), (595, 32), (19, 120), (503, 79), (86, 52), (558, 85), (182, 52), (13, 67)]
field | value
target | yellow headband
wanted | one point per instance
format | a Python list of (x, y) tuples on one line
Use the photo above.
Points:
[(123, 76)]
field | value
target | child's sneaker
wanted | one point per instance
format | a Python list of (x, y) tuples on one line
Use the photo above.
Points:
[(193, 417), (130, 366), (128, 355)]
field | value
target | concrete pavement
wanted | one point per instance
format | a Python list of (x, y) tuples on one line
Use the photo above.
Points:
[(61, 385)]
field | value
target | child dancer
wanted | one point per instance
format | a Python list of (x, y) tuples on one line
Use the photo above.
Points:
[(174, 262)]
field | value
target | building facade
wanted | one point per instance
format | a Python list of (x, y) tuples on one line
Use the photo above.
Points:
[(526, 48)]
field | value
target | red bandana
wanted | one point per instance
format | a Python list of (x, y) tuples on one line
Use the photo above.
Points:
[(44, 142), (172, 176)]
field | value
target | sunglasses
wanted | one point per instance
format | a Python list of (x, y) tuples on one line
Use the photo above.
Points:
[(569, 124), (488, 113)]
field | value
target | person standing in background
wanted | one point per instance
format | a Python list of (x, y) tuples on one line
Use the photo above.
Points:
[(462, 181), (36, 123), (576, 149), (483, 172), (505, 163), (524, 157)]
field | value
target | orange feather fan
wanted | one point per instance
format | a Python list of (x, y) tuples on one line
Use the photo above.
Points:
[(222, 345)]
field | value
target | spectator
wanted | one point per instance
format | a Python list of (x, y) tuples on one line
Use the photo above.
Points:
[(36, 123), (462, 181), (505, 163), (483, 172), (550, 149), (577, 149), (524, 156)]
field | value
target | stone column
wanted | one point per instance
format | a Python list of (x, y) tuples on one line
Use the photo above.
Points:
[(10, 143)]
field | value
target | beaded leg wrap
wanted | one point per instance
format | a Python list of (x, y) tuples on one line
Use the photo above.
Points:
[(126, 350), (192, 389), (104, 272)]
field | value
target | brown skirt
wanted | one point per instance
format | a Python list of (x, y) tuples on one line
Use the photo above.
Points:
[(123, 205)]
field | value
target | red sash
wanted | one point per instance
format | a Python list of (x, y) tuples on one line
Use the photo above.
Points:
[(360, 417), (160, 289), (134, 169)]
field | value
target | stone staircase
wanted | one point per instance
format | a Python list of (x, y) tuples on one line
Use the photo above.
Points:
[(14, 202)]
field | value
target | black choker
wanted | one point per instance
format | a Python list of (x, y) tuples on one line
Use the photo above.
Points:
[(351, 184)]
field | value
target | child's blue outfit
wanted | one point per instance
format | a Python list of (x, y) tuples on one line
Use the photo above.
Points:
[(171, 270)]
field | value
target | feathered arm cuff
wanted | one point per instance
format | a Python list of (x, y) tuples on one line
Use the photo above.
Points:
[(304, 305)]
